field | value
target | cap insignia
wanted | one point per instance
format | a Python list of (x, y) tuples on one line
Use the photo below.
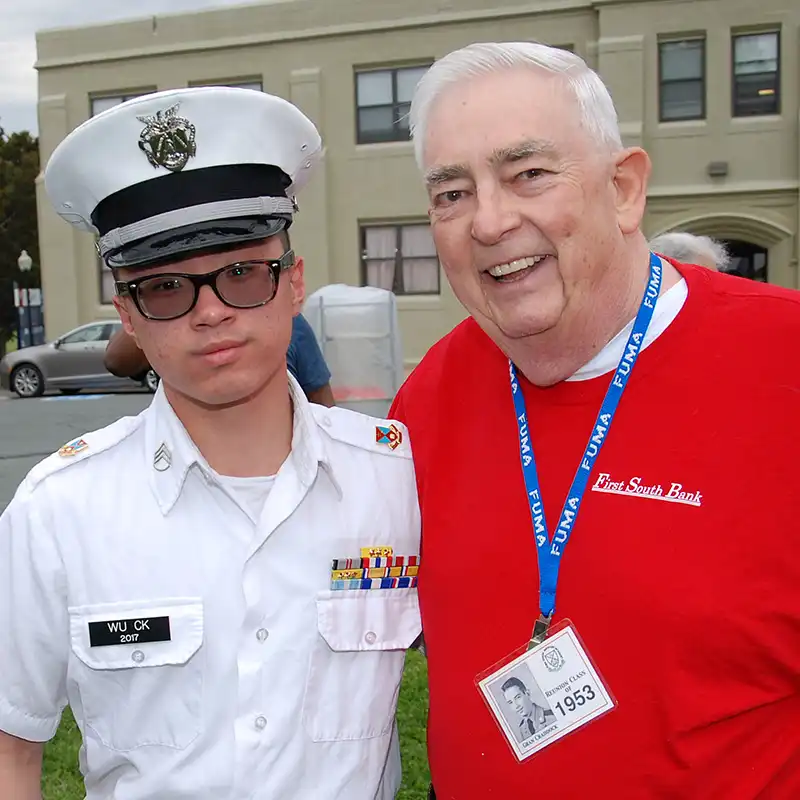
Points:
[(167, 139)]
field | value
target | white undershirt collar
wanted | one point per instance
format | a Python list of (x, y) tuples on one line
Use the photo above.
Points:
[(667, 307)]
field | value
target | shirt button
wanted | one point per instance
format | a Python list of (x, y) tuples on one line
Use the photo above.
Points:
[(370, 637), (326, 421), (262, 635), (137, 656), (261, 723)]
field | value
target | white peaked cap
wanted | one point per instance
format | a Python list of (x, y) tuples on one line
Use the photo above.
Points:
[(181, 171)]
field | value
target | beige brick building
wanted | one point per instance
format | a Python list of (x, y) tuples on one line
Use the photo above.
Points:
[(710, 88)]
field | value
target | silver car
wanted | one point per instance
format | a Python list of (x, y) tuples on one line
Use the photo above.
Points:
[(72, 362)]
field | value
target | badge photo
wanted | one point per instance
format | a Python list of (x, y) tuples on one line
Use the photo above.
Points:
[(545, 693)]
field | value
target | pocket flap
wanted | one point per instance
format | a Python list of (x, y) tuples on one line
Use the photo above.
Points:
[(369, 619), (137, 633)]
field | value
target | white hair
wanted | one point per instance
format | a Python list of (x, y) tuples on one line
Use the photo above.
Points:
[(691, 249), (597, 113)]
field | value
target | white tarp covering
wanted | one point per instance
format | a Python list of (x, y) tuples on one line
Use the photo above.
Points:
[(357, 329)]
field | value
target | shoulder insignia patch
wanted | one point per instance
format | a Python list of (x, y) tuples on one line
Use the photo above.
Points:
[(386, 436), (389, 435), (73, 448)]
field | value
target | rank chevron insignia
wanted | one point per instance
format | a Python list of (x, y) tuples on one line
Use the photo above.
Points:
[(392, 436), (162, 460)]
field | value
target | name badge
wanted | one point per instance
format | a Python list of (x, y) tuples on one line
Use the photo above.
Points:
[(545, 694), (129, 631)]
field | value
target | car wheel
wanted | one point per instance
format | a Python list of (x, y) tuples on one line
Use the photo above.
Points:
[(69, 391), (151, 380), (27, 381)]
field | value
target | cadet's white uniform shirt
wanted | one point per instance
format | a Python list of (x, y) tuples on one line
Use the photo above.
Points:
[(271, 686)]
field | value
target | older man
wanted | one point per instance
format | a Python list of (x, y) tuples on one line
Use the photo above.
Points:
[(675, 542)]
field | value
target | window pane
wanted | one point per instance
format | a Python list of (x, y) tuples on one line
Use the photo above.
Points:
[(755, 53), (402, 122), (682, 60), (417, 240), (420, 276), (100, 104), (93, 333), (374, 88), (254, 85), (407, 80), (682, 100), (756, 94), (380, 242), (380, 274), (376, 124)]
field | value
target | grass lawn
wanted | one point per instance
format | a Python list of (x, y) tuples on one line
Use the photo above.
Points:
[(62, 781)]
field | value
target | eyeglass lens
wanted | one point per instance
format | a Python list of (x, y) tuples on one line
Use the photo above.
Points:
[(240, 285)]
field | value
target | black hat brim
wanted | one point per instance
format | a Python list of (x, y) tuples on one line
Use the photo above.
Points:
[(196, 239)]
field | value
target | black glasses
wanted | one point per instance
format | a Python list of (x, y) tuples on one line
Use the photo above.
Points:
[(170, 295)]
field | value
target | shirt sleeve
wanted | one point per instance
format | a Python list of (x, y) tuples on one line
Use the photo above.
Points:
[(306, 361), (34, 622)]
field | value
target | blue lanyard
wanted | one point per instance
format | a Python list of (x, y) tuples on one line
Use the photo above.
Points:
[(550, 550)]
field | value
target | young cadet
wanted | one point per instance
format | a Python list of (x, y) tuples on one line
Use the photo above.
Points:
[(190, 581), (304, 360)]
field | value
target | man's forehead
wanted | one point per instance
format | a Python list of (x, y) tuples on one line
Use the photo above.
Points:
[(495, 157)]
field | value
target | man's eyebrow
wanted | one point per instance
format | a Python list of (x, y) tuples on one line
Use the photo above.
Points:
[(522, 150), (450, 172)]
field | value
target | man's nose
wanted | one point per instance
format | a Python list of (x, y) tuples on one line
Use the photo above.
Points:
[(496, 214), (209, 309)]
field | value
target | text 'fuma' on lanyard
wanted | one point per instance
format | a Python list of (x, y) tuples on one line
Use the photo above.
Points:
[(550, 550)]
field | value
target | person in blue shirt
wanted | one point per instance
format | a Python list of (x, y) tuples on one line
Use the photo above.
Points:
[(306, 362), (304, 359)]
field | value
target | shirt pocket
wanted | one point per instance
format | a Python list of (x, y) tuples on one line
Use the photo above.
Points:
[(136, 691), (357, 662)]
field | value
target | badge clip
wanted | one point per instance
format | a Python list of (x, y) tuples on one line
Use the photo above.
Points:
[(540, 630)]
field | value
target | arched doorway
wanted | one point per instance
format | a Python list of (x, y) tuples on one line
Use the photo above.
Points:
[(747, 259), (762, 248)]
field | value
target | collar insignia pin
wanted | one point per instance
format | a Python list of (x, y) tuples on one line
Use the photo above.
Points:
[(392, 436), (73, 448), (167, 139), (162, 460)]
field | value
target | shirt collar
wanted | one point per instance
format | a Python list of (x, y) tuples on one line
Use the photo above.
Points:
[(171, 453)]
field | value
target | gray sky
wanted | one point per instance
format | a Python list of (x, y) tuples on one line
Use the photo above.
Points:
[(19, 21)]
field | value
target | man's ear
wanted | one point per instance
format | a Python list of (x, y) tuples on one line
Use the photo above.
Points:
[(125, 317), (631, 176), (297, 281)]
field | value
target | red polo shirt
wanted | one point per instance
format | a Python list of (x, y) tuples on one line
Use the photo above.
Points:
[(682, 575)]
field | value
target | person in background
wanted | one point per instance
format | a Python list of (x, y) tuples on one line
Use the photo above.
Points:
[(690, 249), (304, 360)]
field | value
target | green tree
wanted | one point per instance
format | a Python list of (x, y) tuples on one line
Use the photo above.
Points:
[(19, 166)]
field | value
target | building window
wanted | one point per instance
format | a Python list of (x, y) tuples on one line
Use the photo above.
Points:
[(383, 100), (681, 80), (255, 85), (756, 60), (400, 258), (99, 104)]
